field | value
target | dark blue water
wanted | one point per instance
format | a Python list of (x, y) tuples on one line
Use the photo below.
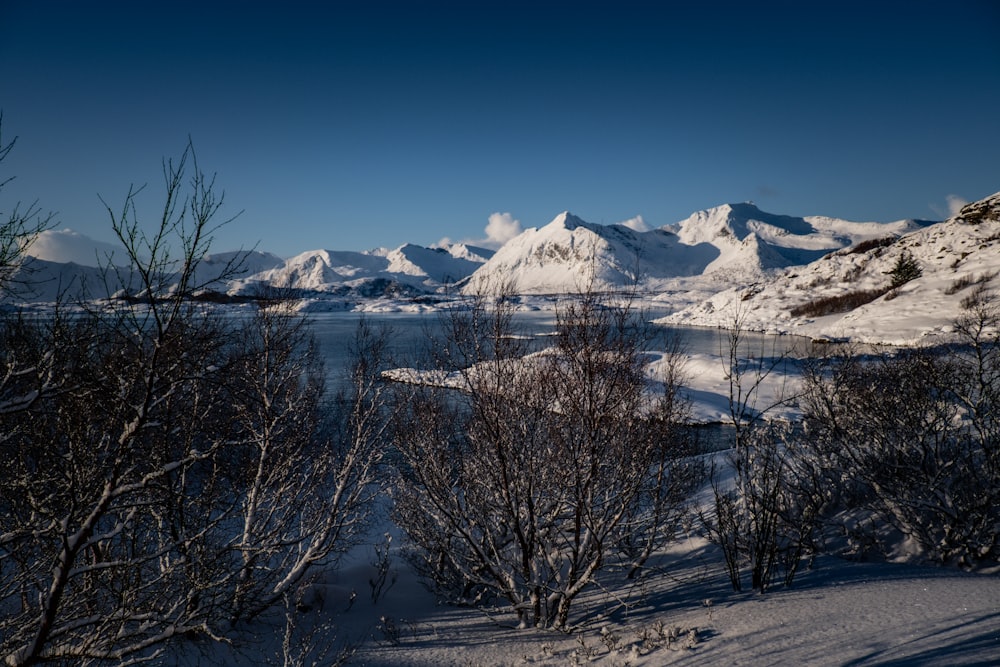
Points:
[(409, 334)]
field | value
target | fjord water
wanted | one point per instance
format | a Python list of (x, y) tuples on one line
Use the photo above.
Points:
[(409, 335)]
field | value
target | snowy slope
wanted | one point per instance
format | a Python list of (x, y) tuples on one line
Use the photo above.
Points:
[(437, 264), (955, 256), (733, 242), (468, 252)]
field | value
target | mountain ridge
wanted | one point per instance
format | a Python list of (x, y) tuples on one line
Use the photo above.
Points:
[(735, 240), (725, 245)]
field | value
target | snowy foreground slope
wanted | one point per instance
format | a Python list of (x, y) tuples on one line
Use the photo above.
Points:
[(838, 613), (956, 257)]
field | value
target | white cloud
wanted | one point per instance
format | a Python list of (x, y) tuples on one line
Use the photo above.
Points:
[(636, 224), (502, 227), (955, 204)]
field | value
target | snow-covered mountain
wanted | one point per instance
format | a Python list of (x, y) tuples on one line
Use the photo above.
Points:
[(407, 270), (711, 250), (847, 295), (65, 246), (42, 281), (569, 254), (62, 263), (752, 242), (734, 242)]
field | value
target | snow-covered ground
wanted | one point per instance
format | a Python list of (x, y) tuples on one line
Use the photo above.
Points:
[(837, 612)]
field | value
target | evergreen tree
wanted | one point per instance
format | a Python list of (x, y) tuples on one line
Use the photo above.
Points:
[(906, 269)]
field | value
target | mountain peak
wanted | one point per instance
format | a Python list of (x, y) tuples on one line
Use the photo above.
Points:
[(567, 220)]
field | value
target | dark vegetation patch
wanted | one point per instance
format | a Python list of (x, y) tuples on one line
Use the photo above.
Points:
[(870, 244), (965, 281), (841, 303)]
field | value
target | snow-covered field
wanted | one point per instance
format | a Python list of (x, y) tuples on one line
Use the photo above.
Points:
[(837, 613)]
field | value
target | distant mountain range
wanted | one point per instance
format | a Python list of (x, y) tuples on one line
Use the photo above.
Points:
[(820, 277), (733, 243)]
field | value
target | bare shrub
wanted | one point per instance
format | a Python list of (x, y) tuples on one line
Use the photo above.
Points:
[(974, 300), (913, 438), (757, 519), (960, 284), (761, 522), (871, 244)]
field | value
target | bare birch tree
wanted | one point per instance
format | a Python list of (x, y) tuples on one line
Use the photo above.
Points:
[(310, 466), (166, 470), (100, 578), (546, 467), (19, 227)]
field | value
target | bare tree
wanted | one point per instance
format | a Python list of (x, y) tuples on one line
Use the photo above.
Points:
[(545, 467), (185, 470), (19, 227), (102, 546), (26, 371), (310, 467), (757, 520)]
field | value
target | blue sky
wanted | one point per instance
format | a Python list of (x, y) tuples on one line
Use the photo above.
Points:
[(355, 125)]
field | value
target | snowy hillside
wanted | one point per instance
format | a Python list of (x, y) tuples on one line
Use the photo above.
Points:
[(826, 298), (734, 242)]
